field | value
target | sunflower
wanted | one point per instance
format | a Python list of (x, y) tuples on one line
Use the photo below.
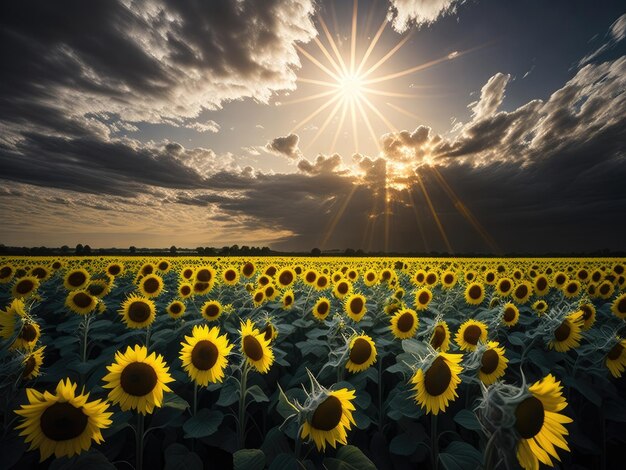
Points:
[(115, 269), (540, 425), (618, 307), (470, 333), (25, 287), (264, 280), (76, 279), (431, 279), (164, 266), (606, 289), (137, 380), (205, 275), (269, 332), (541, 285), (63, 423), (510, 314), (146, 268), (436, 386), (176, 309), (342, 289), (370, 277), (504, 286), (440, 338), (310, 277), (288, 299), (567, 335), (492, 363), (362, 353), (29, 330), (270, 291), (99, 288), (571, 288), (255, 348), (7, 271), (285, 277), (202, 288), (329, 420), (589, 315), (321, 309), (354, 306), (230, 276), (151, 285), (616, 358), (203, 354), (32, 363), (81, 302), (352, 274), (212, 310), (474, 293), (423, 298), (540, 306), (137, 311), (449, 279), (248, 269), (419, 277), (559, 279), (490, 277), (185, 290), (404, 323), (522, 292), (187, 273), (321, 282), (40, 272)]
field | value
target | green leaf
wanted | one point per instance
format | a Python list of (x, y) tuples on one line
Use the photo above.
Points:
[(403, 444), (171, 400), (203, 424), (460, 456), (284, 408), (257, 394), (468, 420), (229, 394), (84, 461), (275, 443), (178, 457), (349, 458), (284, 462), (249, 459)]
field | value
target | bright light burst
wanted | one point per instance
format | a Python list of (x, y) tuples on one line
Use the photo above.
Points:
[(349, 91)]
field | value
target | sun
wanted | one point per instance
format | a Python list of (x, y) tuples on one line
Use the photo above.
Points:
[(350, 87)]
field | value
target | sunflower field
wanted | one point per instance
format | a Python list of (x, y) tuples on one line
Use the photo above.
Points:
[(304, 363)]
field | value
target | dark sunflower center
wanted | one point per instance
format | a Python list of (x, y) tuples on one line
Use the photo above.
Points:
[(419, 278), (138, 379), (24, 286), (322, 308), (571, 288), (342, 288), (175, 308), (288, 300), (310, 276), (163, 265), (82, 300), (529, 416), (56, 265), (475, 292), (77, 278), (605, 288), (615, 352), (40, 273), (269, 291), (248, 269), (114, 270), (448, 278), (96, 289), (187, 273), (587, 312), (31, 362), (252, 348), (264, 280), (360, 351), (268, 332), (621, 305), (521, 291), (439, 336), (185, 290), (562, 332), (285, 278), (489, 361), (212, 310), (230, 275), (322, 281), (596, 276), (148, 269), (437, 377), (29, 333), (328, 414), (489, 277), (541, 283), (151, 285), (582, 274), (560, 279), (370, 277), (62, 421), (541, 306), (431, 278), (471, 334), (139, 311), (270, 271), (505, 286), (5, 272), (201, 286), (386, 275), (259, 296), (423, 298), (356, 304), (509, 314), (405, 322), (204, 275), (204, 355)]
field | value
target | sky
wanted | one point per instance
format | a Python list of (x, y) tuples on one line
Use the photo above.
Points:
[(481, 126)]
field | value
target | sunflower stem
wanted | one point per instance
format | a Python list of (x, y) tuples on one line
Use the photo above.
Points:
[(148, 331), (195, 399), (380, 394), (434, 451), (489, 449), (86, 322), (242, 405), (298, 442), (139, 441)]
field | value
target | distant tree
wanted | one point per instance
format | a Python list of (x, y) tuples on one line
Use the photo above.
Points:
[(3, 248), (225, 250), (200, 250), (360, 252), (234, 249), (244, 250), (65, 249), (208, 250), (79, 249), (86, 250), (132, 249), (349, 252), (266, 250), (316, 252), (172, 250)]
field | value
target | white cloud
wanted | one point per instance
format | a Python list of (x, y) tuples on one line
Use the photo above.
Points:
[(404, 13)]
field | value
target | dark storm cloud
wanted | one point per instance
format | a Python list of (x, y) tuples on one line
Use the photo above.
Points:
[(285, 145)]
